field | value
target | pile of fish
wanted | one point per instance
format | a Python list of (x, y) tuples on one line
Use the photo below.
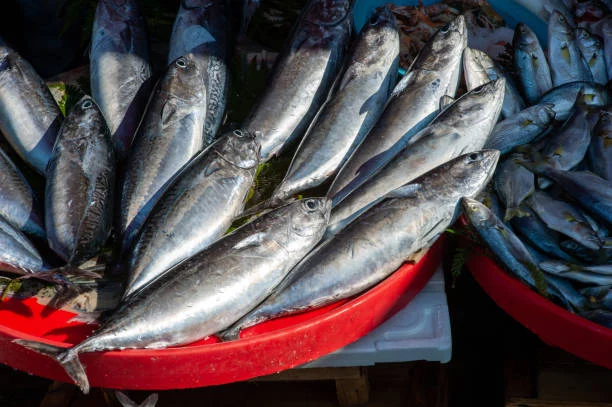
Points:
[(547, 215), (144, 157)]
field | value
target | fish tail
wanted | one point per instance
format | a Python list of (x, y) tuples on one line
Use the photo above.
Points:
[(67, 358), (514, 212)]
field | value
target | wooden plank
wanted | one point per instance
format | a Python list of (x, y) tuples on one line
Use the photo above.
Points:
[(353, 391), (522, 402)]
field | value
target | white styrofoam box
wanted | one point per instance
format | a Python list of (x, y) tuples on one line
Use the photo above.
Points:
[(420, 331)]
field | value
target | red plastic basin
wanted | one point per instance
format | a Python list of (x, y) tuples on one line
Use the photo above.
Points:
[(263, 349), (553, 324)]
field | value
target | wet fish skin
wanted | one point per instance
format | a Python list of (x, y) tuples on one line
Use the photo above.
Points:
[(415, 101), (462, 127), (514, 183), (565, 290), (599, 296), (201, 28), (378, 242), (120, 71), (591, 48), (489, 198), (347, 117), (302, 76), (18, 204), (564, 218), (606, 34), (564, 97), (29, 116), (170, 135), (522, 128), (197, 208), (479, 69), (18, 254), (582, 274), (207, 292), (564, 57), (600, 149), (80, 184), (531, 64)]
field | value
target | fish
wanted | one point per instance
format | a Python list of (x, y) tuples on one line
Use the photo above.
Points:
[(80, 185), (29, 116), (206, 293), (201, 28), (591, 192), (599, 296), (504, 244), (514, 183), (564, 218), (582, 253), (479, 69), (18, 204), (598, 275), (564, 57), (170, 135), (18, 254), (196, 209), (524, 127), (347, 117), (590, 11), (489, 198), (565, 291), (462, 127), (125, 401), (302, 76), (600, 149), (544, 8), (591, 48), (606, 34), (120, 73), (531, 64), (565, 97), (599, 316), (414, 102), (378, 242)]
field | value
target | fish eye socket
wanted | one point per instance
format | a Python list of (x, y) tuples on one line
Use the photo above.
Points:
[(445, 28), (87, 104), (374, 19), (473, 156), (181, 63), (310, 204), (238, 133)]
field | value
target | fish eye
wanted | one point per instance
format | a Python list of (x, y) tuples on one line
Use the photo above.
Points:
[(311, 204), (238, 133), (445, 28), (87, 104), (181, 63), (373, 19), (473, 156)]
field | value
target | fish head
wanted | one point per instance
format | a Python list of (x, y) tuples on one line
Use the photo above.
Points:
[(544, 114), (480, 107), (240, 148), (327, 12), (446, 46), (185, 78), (472, 171), (310, 216), (85, 112), (381, 28), (524, 37), (587, 40), (478, 214), (559, 27)]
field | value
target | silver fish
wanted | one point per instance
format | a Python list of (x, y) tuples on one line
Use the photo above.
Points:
[(531, 65), (606, 34), (351, 112), (565, 97), (378, 242), (170, 135), (80, 184), (120, 71), (591, 48), (599, 297), (598, 275), (18, 254), (514, 183), (201, 28), (479, 69), (462, 127), (29, 116), (18, 204), (413, 104), (562, 217), (600, 150), (302, 76), (197, 208), (209, 291), (564, 57), (522, 128)]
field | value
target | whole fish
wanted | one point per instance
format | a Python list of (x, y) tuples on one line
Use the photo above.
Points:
[(197, 208), (378, 242), (462, 127), (29, 116), (531, 65), (600, 150), (514, 183), (522, 128), (413, 104), (598, 275), (479, 69), (18, 204), (563, 98), (348, 116), (591, 48), (564, 218), (201, 28), (302, 76), (80, 184), (206, 293), (120, 71), (564, 57), (504, 244), (170, 135), (591, 192)]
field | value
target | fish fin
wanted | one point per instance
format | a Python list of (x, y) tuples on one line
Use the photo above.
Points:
[(266, 205), (230, 334), (125, 401), (405, 191), (67, 358), (252, 240), (168, 113), (513, 213), (445, 101)]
